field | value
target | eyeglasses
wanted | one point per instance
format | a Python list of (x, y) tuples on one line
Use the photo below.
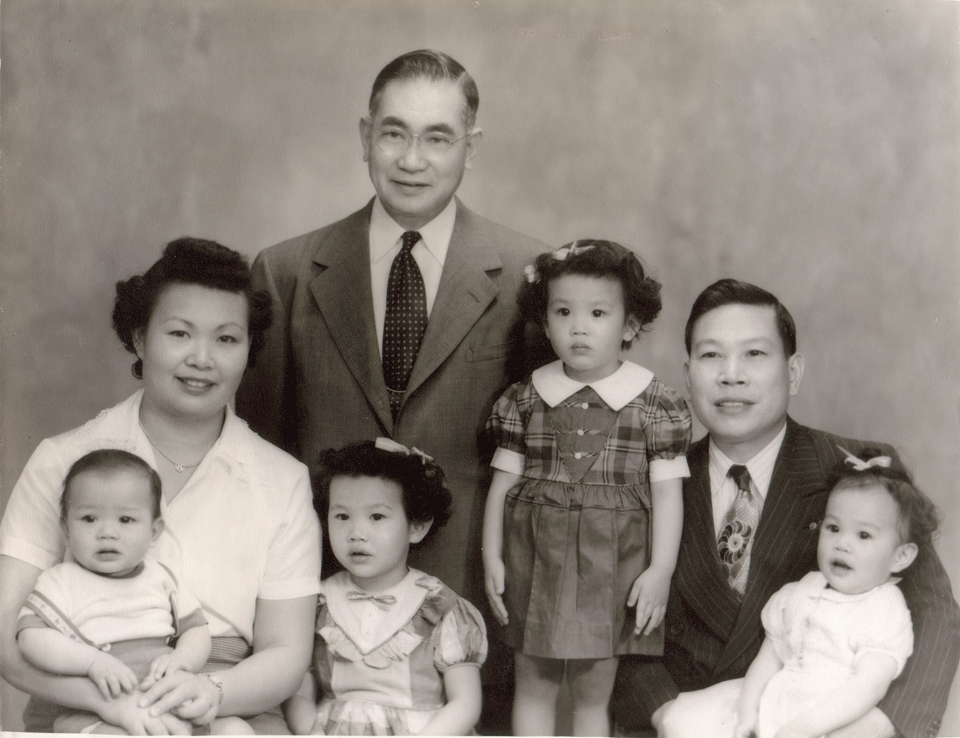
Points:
[(433, 145)]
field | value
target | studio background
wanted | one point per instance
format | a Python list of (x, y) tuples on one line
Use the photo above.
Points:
[(812, 148)]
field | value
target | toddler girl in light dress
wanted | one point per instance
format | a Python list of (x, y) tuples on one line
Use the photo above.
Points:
[(396, 651)]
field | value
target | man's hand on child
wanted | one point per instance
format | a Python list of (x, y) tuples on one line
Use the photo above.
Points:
[(494, 574), (649, 594), (111, 675)]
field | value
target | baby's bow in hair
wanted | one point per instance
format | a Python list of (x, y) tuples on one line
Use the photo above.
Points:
[(388, 444), (859, 464)]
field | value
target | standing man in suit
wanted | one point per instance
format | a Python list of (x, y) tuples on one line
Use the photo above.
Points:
[(370, 342), (742, 369)]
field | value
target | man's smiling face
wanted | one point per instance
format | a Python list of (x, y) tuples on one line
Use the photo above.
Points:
[(739, 378)]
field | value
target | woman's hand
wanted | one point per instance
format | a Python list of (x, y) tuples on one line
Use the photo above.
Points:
[(649, 593), (189, 696), (126, 713)]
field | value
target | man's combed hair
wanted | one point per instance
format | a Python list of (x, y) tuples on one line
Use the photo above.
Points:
[(433, 65), (189, 261), (734, 292), (107, 460)]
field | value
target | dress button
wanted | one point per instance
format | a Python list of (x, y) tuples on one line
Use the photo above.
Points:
[(578, 455), (580, 432), (585, 405)]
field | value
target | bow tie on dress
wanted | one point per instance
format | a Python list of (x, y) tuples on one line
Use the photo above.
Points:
[(383, 601)]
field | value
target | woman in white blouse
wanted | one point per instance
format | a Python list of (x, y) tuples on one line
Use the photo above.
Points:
[(240, 531)]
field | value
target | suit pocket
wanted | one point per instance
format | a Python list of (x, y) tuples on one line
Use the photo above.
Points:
[(489, 352)]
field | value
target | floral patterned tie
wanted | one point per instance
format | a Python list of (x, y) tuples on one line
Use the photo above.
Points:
[(738, 529), (405, 321)]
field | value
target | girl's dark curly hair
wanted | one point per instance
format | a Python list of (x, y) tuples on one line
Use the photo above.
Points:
[(918, 518), (189, 261), (591, 258), (426, 495)]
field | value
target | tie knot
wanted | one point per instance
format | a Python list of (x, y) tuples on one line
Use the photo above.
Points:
[(410, 239), (739, 474)]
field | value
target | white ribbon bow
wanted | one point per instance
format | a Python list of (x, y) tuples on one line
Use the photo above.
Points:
[(861, 465), (388, 444)]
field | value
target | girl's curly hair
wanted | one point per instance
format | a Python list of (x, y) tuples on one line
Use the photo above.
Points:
[(426, 495)]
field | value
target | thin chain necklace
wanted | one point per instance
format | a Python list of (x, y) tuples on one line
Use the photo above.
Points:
[(179, 467)]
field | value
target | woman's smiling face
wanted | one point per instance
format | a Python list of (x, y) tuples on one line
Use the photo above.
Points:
[(194, 350)]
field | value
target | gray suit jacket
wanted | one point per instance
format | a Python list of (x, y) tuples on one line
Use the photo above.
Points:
[(319, 382)]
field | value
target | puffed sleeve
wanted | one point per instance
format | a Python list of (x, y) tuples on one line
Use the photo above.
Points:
[(462, 638), (892, 634), (667, 424), (774, 616), (507, 428)]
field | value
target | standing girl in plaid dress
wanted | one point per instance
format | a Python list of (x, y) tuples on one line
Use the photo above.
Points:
[(583, 518)]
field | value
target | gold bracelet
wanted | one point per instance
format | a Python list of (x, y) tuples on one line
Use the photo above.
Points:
[(219, 685)]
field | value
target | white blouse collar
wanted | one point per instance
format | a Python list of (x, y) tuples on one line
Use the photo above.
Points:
[(554, 386)]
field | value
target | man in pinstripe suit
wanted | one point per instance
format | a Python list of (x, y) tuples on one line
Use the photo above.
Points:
[(742, 369)]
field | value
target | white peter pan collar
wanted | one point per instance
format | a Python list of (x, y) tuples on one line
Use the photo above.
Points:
[(554, 386)]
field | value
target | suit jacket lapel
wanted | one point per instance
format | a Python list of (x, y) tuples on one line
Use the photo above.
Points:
[(464, 293), (345, 299), (700, 575), (796, 476)]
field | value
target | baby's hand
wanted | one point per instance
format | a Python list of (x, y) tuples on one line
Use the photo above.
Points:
[(649, 593), (494, 574), (160, 667), (746, 725), (111, 675), (791, 730)]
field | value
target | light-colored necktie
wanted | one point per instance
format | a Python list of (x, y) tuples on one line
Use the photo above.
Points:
[(405, 321), (738, 529)]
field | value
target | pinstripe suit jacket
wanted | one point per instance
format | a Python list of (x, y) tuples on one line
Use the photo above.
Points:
[(711, 638), (319, 383)]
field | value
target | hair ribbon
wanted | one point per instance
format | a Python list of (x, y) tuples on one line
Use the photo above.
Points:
[(388, 444), (861, 465)]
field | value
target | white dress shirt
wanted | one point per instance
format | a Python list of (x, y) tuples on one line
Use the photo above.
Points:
[(430, 252)]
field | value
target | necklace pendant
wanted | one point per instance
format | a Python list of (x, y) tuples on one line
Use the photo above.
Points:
[(179, 468)]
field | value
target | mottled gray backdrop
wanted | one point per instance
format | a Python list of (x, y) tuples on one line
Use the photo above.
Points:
[(810, 147)]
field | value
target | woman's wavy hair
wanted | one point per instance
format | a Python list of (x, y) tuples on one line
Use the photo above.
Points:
[(426, 495), (917, 519), (591, 258), (189, 261)]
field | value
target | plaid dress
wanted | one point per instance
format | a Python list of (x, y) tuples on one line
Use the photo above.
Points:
[(577, 525)]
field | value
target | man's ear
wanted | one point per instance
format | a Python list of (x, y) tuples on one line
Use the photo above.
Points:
[(473, 143), (419, 529), (905, 555), (155, 530), (795, 366), (366, 128)]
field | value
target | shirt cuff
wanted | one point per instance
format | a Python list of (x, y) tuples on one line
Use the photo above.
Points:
[(509, 461), (17, 548), (663, 469), (289, 589)]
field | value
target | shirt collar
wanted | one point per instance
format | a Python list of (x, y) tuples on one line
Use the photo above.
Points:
[(760, 466), (385, 232), (554, 386)]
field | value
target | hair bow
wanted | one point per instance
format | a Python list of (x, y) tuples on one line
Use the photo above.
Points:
[(861, 465), (572, 250), (530, 273), (388, 444)]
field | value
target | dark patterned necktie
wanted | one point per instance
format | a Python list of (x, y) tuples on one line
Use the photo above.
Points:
[(405, 321), (738, 529)]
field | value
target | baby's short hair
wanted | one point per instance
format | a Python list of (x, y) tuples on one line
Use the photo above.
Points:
[(107, 460), (917, 516), (426, 495)]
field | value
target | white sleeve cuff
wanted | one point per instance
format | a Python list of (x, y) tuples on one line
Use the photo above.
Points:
[(663, 469), (508, 461)]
